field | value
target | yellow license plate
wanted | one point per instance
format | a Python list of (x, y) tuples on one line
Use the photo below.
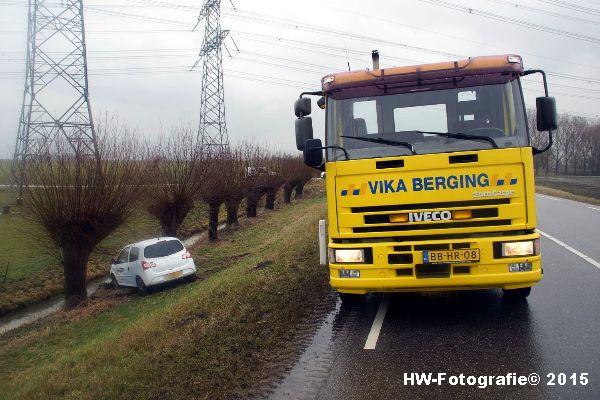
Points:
[(458, 256), (174, 275)]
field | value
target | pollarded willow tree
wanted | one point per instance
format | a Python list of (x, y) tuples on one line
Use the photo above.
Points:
[(176, 180), (223, 184), (296, 174), (79, 201), (257, 176), (274, 180)]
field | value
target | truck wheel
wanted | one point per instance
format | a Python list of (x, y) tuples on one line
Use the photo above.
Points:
[(142, 290), (351, 298), (516, 294)]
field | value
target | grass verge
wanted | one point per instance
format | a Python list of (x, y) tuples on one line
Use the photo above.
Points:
[(221, 337), (579, 188)]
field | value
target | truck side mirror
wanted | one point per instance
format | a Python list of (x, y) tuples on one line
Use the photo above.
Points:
[(313, 153), (321, 103), (302, 107), (304, 131), (547, 117)]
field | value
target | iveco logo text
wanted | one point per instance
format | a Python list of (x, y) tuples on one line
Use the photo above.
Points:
[(429, 216)]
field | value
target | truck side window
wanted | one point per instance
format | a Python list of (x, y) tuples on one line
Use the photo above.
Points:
[(432, 117), (364, 114)]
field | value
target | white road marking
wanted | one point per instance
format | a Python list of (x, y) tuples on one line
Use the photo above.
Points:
[(548, 197), (594, 208), (572, 250), (377, 323)]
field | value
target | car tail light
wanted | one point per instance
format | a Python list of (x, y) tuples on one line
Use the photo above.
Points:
[(186, 255), (148, 265)]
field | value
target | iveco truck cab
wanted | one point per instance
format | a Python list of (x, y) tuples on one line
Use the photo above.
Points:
[(429, 175)]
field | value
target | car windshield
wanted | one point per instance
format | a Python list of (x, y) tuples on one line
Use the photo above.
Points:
[(163, 249), (458, 119)]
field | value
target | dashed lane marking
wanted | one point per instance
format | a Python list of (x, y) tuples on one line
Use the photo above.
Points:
[(572, 250), (594, 208), (377, 323), (548, 197)]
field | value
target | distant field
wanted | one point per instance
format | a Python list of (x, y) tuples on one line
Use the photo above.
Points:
[(586, 186), (4, 172)]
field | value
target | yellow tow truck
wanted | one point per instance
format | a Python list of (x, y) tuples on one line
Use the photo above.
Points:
[(429, 175)]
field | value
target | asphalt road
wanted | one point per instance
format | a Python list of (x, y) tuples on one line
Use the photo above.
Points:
[(557, 331)]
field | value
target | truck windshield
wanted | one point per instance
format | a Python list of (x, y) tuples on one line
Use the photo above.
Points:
[(450, 120)]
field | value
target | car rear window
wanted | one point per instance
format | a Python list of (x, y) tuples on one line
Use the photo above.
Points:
[(163, 249)]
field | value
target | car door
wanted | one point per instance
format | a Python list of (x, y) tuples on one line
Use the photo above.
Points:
[(133, 266), (121, 267)]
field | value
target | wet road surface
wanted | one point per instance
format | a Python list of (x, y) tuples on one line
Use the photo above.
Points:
[(557, 331)]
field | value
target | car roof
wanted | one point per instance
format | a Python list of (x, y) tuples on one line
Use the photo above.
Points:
[(149, 242)]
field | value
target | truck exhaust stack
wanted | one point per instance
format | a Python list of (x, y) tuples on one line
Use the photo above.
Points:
[(375, 57)]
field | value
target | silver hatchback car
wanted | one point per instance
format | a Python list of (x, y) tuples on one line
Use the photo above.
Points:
[(152, 262)]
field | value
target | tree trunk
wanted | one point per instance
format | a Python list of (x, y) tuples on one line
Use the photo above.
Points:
[(171, 215), (287, 193), (75, 259), (299, 190), (270, 200), (232, 212), (251, 206), (213, 220), (169, 226)]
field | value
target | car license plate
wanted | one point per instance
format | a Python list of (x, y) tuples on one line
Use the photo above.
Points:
[(458, 256), (174, 275)]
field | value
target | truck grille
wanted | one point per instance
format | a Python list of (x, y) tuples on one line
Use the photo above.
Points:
[(483, 213), (421, 206)]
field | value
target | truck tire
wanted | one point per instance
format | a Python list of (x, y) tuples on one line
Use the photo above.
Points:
[(516, 294), (351, 298)]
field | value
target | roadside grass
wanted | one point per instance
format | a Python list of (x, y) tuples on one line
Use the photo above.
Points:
[(579, 188), (223, 336)]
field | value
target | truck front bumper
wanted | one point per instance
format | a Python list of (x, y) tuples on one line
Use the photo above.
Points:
[(382, 276)]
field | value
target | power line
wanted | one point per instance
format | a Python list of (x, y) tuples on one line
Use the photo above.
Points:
[(572, 6), (544, 12), (513, 21), (268, 19)]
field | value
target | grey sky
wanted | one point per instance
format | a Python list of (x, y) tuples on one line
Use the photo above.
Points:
[(139, 70)]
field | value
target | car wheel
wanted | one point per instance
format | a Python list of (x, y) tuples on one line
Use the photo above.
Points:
[(142, 289), (516, 294), (113, 280), (350, 298)]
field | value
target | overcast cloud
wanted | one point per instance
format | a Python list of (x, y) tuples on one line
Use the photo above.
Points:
[(139, 70)]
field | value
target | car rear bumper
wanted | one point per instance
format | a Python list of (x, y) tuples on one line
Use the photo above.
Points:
[(152, 278)]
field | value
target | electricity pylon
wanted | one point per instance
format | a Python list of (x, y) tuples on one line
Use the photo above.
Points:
[(56, 102), (213, 128)]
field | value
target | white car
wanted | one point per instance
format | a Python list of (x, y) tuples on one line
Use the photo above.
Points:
[(152, 262)]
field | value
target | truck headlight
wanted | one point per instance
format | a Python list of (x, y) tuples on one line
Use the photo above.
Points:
[(347, 255), (520, 249)]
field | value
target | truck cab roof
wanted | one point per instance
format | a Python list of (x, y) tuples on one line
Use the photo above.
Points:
[(472, 71)]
